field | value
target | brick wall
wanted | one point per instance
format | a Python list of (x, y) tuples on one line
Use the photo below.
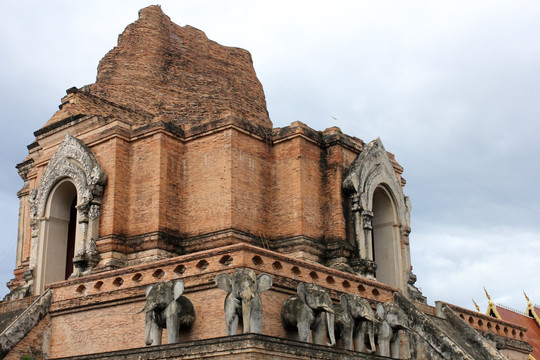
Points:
[(113, 155), (207, 168), (250, 184)]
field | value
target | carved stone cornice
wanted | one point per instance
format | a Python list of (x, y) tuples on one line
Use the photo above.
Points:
[(24, 168)]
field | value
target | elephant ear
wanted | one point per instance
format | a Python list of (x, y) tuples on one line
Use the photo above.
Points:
[(301, 290), (223, 281), (367, 311), (178, 289), (264, 282), (399, 318), (381, 311), (343, 301)]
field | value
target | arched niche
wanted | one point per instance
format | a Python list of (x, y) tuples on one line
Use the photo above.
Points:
[(386, 237), (381, 214), (72, 173), (59, 233)]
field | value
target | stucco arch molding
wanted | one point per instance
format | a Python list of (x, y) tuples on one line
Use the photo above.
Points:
[(372, 168), (75, 161)]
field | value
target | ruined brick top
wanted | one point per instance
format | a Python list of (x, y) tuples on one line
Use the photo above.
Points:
[(176, 74)]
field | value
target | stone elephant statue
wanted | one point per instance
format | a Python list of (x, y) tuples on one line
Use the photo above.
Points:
[(353, 318), (306, 311), (243, 300), (166, 307), (392, 320)]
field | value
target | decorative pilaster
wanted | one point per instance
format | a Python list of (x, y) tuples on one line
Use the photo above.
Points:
[(363, 265), (359, 234), (367, 217), (34, 226), (404, 232)]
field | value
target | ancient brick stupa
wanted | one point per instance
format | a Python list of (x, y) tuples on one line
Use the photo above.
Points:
[(164, 182)]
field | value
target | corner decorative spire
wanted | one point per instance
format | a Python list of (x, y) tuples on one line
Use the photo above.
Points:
[(492, 309), (531, 311), (476, 305)]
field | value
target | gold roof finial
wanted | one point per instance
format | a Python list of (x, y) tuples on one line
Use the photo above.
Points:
[(476, 305), (489, 297), (526, 297)]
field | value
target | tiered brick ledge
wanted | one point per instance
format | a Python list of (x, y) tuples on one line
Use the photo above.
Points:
[(238, 347), (198, 271), (486, 323)]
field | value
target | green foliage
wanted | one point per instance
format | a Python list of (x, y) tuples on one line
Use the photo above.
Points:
[(27, 357)]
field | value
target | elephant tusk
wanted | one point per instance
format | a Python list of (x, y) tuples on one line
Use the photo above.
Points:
[(327, 309)]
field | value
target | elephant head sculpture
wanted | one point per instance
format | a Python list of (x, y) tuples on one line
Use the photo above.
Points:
[(392, 320), (166, 307), (243, 300), (306, 310), (354, 317)]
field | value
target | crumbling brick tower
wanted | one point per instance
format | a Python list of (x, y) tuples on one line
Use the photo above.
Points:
[(168, 167), (172, 151)]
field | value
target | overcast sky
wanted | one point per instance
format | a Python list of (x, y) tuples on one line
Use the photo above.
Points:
[(451, 87)]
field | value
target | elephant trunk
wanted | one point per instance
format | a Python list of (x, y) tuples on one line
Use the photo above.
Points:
[(247, 301), (148, 327), (330, 328), (150, 306)]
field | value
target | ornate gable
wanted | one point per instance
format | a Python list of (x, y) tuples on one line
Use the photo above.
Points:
[(75, 160), (373, 168)]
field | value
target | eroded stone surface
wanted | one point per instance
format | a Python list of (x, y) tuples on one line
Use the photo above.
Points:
[(22, 325)]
